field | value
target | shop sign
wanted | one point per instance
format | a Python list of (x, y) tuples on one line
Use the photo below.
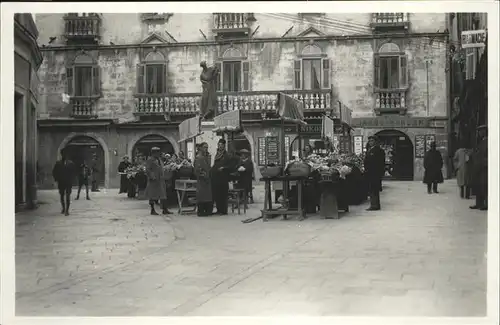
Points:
[(358, 144), (391, 122), (473, 38)]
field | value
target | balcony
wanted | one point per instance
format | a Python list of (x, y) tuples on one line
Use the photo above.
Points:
[(232, 24), (390, 21), (83, 107), (390, 101), (82, 29), (247, 102)]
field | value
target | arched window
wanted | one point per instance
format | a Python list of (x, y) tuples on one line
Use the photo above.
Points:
[(312, 70), (234, 71), (83, 77), (390, 68), (152, 74)]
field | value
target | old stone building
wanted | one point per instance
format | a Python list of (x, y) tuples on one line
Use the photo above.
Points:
[(27, 60), (116, 84)]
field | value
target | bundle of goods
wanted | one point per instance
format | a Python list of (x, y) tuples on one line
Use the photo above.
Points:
[(185, 169), (271, 170), (132, 171)]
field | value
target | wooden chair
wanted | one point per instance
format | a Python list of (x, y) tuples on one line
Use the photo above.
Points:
[(236, 198)]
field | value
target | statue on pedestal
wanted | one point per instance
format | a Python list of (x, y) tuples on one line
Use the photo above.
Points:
[(208, 80)]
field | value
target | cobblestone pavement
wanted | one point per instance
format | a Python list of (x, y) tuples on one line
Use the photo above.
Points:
[(422, 255)]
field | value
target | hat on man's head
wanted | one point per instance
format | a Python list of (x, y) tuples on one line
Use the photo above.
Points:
[(155, 149), (223, 141), (373, 137), (244, 151), (482, 127)]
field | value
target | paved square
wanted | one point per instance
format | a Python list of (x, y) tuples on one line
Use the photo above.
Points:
[(422, 255)]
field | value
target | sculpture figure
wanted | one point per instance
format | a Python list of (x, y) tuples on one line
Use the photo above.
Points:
[(208, 80)]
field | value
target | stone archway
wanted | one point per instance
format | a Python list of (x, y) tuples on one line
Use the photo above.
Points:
[(399, 149), (105, 150), (145, 141)]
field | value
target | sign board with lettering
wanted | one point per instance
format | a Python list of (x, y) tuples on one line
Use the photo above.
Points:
[(420, 146), (473, 38), (358, 144), (272, 150), (391, 122)]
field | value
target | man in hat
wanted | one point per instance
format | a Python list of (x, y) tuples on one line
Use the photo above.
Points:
[(374, 164), (245, 170), (64, 173), (155, 189), (122, 167), (220, 177), (480, 169)]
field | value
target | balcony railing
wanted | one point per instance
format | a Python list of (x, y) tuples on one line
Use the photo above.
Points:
[(255, 101), (82, 27), (83, 107), (390, 101), (231, 22), (390, 20)]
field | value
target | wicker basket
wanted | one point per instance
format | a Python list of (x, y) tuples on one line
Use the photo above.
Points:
[(270, 171), (299, 169)]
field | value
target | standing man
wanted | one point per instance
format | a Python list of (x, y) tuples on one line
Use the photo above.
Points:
[(460, 160), (155, 189), (433, 163), (64, 173), (245, 170), (122, 167), (83, 179), (94, 166), (203, 184), (220, 177), (374, 164), (480, 169)]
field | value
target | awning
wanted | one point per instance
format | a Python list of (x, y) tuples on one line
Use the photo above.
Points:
[(189, 128), (228, 122), (290, 109)]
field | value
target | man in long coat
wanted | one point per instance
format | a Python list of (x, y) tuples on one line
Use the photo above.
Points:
[(155, 190), (64, 174), (480, 170), (220, 177), (245, 170), (460, 160), (374, 164), (124, 164), (203, 184), (433, 164)]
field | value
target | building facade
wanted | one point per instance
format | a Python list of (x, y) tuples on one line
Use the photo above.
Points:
[(116, 84), (27, 60)]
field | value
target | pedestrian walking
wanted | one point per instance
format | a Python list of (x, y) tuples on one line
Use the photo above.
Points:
[(220, 177), (433, 163), (480, 169), (203, 184), (84, 174), (122, 167), (460, 160), (64, 174), (374, 164), (95, 174), (155, 188)]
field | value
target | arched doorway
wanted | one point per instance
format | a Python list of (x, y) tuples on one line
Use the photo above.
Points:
[(399, 154), (145, 144), (83, 148)]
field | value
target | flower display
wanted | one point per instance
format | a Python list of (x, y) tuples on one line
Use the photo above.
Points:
[(342, 163), (133, 170)]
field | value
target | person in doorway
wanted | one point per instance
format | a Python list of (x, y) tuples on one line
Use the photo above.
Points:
[(460, 160), (220, 177), (374, 164), (245, 171), (94, 165), (64, 174), (155, 188), (122, 167), (480, 169), (203, 184), (84, 175), (433, 163), (308, 150)]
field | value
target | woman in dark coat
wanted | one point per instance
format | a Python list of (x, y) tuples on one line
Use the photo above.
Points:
[(123, 177), (245, 170), (155, 190), (220, 177), (433, 163), (374, 164), (203, 184)]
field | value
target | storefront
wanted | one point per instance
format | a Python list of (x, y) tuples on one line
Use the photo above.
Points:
[(86, 149)]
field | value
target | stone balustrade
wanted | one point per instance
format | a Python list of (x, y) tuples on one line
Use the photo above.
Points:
[(390, 100), (83, 107)]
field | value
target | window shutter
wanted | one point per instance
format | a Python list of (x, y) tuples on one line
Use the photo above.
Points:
[(297, 78), (164, 78), (326, 64), (70, 81), (140, 88), (96, 81), (376, 71), (218, 80), (403, 60), (245, 67)]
